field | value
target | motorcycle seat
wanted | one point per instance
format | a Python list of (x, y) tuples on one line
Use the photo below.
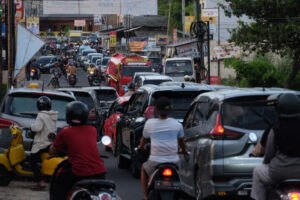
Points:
[(288, 182), (167, 165), (95, 183)]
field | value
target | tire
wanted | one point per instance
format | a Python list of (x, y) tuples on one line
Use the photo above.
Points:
[(5, 176), (122, 163)]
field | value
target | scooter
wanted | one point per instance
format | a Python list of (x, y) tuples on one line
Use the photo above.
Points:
[(286, 190), (72, 80), (13, 160), (93, 78), (55, 80), (88, 188), (34, 73)]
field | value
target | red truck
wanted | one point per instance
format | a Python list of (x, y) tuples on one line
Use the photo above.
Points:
[(121, 69)]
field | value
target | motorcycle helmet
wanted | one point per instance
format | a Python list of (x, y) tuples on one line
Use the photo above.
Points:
[(288, 105), (44, 103), (77, 113), (163, 106), (131, 86)]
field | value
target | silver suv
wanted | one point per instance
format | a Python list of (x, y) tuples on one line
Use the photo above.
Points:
[(19, 106), (221, 129)]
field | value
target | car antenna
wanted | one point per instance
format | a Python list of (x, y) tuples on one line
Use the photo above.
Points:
[(182, 85)]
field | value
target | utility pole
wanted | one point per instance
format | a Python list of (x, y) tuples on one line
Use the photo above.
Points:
[(183, 17), (1, 11), (10, 41), (219, 38), (170, 5), (197, 10)]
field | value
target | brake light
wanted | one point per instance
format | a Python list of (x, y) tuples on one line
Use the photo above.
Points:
[(167, 172), (218, 132), (105, 196), (294, 196), (149, 112), (5, 123), (92, 114), (33, 70)]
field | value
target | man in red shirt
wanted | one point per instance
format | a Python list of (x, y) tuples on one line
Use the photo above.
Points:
[(79, 141)]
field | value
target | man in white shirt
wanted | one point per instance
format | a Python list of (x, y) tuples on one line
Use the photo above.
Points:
[(165, 134)]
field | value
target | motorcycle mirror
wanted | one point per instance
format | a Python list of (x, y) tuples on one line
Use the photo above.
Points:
[(105, 140)]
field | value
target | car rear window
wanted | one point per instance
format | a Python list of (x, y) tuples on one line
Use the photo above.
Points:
[(106, 95), (250, 114), (155, 82), (85, 98), (24, 105)]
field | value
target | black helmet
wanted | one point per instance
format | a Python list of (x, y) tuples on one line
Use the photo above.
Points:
[(44, 103), (163, 106), (288, 105), (131, 86), (77, 113)]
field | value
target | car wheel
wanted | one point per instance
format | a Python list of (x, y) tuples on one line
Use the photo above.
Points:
[(5, 176), (122, 162), (198, 186)]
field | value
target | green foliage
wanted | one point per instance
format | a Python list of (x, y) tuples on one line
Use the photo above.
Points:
[(3, 91), (256, 73), (275, 28)]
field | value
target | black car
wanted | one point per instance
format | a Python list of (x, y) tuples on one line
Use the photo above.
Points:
[(221, 129), (45, 63), (140, 108)]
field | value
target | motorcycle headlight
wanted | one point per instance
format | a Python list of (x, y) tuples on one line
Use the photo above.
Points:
[(91, 72)]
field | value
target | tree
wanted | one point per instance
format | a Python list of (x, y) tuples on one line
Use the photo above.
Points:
[(275, 28)]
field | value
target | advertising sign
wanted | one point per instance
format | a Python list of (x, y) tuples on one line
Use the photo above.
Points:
[(174, 35), (19, 16), (226, 51), (138, 44), (188, 22), (33, 24), (80, 22), (98, 20), (209, 12), (162, 40), (113, 39), (212, 24)]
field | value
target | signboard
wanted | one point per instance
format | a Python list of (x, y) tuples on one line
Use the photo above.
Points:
[(162, 40), (98, 20), (174, 35), (188, 22), (209, 12), (33, 24), (226, 51), (113, 39), (19, 16), (212, 24), (124, 7), (138, 44), (80, 22)]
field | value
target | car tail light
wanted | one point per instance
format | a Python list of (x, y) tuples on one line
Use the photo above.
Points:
[(167, 172), (149, 112), (33, 70), (5, 123), (219, 132), (104, 196), (92, 114), (294, 196)]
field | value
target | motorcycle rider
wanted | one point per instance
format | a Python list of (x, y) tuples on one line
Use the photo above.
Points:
[(44, 125), (131, 88), (55, 70), (166, 134), (79, 141), (91, 68), (282, 154), (71, 69)]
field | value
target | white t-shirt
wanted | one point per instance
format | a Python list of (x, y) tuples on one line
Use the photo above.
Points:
[(163, 135)]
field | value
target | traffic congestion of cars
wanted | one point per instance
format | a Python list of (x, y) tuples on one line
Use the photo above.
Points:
[(222, 124)]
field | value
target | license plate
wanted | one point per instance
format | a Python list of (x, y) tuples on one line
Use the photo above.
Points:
[(242, 193), (167, 185)]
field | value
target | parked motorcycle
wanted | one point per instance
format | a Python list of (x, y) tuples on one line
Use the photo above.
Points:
[(88, 188), (72, 80), (34, 73), (13, 161)]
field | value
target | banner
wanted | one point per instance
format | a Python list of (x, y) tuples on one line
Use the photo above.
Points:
[(161, 40), (98, 20), (33, 24), (79, 23), (124, 7), (19, 16), (138, 44), (188, 22), (113, 39), (212, 24), (174, 35), (209, 12), (226, 51), (28, 45)]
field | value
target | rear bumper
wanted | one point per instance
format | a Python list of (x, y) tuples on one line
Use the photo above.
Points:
[(234, 187)]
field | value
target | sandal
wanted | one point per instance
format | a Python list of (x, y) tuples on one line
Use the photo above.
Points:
[(38, 187)]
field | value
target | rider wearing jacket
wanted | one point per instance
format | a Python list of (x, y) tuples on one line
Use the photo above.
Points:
[(79, 141), (282, 154), (165, 134)]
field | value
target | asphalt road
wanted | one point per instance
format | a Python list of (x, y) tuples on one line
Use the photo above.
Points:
[(127, 187)]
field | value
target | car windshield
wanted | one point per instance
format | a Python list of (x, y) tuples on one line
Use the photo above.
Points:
[(180, 101), (130, 70), (75, 39), (105, 61), (155, 82), (252, 117), (85, 98), (44, 60), (24, 105), (181, 67), (106, 95), (95, 58), (85, 53)]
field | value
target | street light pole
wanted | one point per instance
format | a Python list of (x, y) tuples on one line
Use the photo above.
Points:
[(10, 43), (183, 17)]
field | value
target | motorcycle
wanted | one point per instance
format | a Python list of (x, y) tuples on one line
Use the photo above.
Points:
[(55, 80), (72, 80), (93, 78), (34, 73), (286, 190), (13, 161), (88, 188)]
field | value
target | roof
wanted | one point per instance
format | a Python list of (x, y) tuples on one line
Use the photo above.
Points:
[(149, 21), (240, 92), (99, 88), (72, 89), (182, 58), (39, 91), (156, 77)]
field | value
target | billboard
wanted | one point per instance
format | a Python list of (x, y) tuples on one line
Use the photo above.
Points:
[(188, 22), (101, 7), (209, 12), (226, 51), (113, 39), (162, 40), (33, 24), (79, 23), (98, 20), (19, 16), (138, 44)]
